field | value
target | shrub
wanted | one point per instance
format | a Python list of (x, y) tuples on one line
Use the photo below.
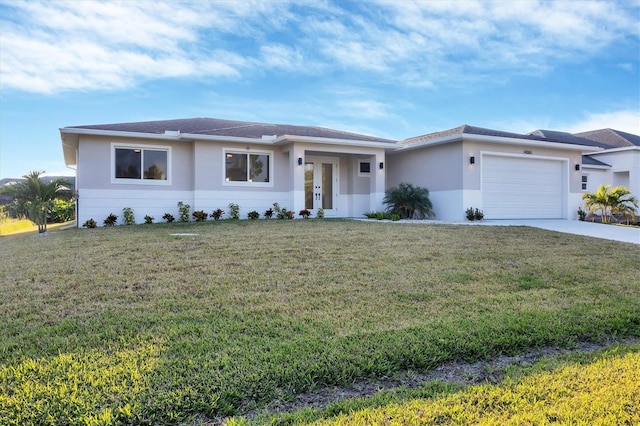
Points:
[(395, 217), (305, 213), (168, 217), (148, 219), (469, 213), (409, 202), (268, 213), (253, 215), (290, 214), (183, 211), (200, 215), (478, 214), (234, 211), (217, 214), (110, 220), (90, 223), (127, 216), (320, 213), (62, 210), (582, 215), (281, 212)]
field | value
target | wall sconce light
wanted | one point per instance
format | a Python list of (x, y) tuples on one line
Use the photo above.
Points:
[(381, 165), (577, 167), (472, 160), (299, 161)]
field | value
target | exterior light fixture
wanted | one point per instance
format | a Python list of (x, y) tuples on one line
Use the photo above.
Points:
[(299, 161), (577, 167), (472, 160), (381, 165)]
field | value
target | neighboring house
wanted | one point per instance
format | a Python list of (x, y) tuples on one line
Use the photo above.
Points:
[(209, 163)]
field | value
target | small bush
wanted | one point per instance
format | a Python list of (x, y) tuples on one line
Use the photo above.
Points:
[(253, 215), (395, 217), (268, 213), (111, 220), (62, 210), (217, 214), (90, 223), (281, 212), (148, 219), (478, 214), (290, 214), (582, 215), (320, 213), (469, 213), (183, 211), (168, 217), (128, 217), (200, 215), (234, 211), (305, 213)]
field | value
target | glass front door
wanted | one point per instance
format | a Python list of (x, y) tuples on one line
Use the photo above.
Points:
[(320, 184)]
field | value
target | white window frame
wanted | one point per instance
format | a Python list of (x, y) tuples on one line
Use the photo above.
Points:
[(363, 174), (247, 152), (142, 180)]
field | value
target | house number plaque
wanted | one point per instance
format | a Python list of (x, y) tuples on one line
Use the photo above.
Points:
[(526, 151)]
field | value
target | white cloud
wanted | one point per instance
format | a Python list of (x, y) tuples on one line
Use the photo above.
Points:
[(50, 46), (625, 121)]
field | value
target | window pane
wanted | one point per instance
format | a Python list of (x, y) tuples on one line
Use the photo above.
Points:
[(128, 163), (236, 167), (155, 164), (259, 168)]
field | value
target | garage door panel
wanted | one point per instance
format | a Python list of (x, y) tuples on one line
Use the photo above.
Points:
[(522, 188)]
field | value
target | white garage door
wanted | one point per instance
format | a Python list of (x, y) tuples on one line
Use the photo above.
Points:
[(522, 188)]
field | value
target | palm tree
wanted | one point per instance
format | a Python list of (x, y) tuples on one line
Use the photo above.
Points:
[(34, 198), (409, 202), (610, 201)]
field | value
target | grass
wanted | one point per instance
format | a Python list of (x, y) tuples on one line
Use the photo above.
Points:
[(581, 388), (131, 324), (9, 226)]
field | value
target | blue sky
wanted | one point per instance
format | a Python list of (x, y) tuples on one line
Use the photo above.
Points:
[(393, 69)]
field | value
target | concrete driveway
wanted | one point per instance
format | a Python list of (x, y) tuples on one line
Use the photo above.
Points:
[(590, 229)]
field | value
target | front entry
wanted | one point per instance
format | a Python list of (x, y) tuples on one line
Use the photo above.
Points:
[(321, 184)]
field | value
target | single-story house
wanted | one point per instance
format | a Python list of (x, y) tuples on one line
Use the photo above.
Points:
[(209, 163)]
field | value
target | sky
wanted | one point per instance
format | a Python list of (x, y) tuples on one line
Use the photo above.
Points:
[(392, 69)]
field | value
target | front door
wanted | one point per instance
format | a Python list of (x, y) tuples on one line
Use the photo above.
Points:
[(321, 184)]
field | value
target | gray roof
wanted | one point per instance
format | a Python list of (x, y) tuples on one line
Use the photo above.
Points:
[(611, 138), (232, 128), (593, 162), (565, 137), (538, 135)]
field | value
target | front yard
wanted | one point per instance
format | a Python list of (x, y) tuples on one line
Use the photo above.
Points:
[(134, 325)]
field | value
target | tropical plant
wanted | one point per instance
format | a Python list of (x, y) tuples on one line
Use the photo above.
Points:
[(34, 198), (582, 215), (470, 214), (217, 214), (90, 223), (111, 220), (253, 215), (200, 215), (183, 211), (320, 213), (168, 217), (305, 213), (148, 219), (409, 202), (128, 217), (234, 211), (268, 213), (609, 201)]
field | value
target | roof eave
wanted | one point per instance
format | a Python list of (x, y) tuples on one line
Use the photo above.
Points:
[(501, 140), (287, 139)]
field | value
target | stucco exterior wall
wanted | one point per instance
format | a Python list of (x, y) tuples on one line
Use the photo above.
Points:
[(625, 169)]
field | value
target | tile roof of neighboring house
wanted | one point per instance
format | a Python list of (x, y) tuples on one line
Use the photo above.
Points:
[(611, 138), (538, 135), (233, 128), (587, 160)]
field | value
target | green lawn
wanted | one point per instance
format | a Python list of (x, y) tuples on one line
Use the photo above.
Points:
[(131, 324)]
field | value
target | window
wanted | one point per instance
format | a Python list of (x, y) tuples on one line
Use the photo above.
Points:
[(251, 168), (364, 168), (140, 165), (584, 182)]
